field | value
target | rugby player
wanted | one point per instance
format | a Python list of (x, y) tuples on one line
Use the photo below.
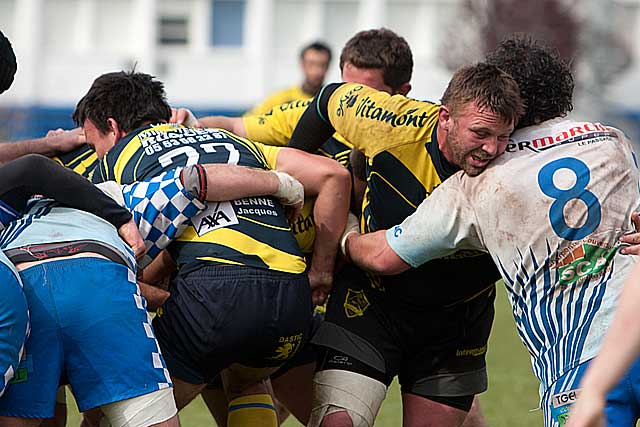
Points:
[(314, 63), (379, 58), (383, 60), (377, 324), (550, 211), (18, 180), (238, 252)]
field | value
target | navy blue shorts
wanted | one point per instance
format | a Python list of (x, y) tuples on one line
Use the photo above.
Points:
[(223, 314)]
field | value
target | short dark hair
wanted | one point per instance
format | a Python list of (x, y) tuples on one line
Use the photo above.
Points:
[(133, 99), (545, 80), (8, 64), (489, 87), (380, 48), (317, 45)]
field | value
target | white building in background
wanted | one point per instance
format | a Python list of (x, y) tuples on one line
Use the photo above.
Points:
[(210, 53), (229, 54)]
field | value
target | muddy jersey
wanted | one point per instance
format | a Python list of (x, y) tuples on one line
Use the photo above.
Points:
[(404, 166), (253, 231), (82, 160), (550, 212)]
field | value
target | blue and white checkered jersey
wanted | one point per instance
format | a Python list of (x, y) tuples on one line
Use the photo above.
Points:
[(161, 208), (550, 212)]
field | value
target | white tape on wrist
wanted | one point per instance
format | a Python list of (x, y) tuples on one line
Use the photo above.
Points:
[(290, 191)]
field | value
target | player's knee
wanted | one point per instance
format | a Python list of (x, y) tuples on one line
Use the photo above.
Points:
[(345, 399), (337, 419)]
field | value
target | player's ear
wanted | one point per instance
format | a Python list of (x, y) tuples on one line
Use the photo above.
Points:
[(115, 128), (404, 89), (445, 119)]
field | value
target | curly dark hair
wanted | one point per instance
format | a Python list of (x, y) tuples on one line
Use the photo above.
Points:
[(545, 80), (133, 99)]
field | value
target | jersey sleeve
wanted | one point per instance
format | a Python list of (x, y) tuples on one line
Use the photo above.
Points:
[(276, 126), (270, 154), (444, 223), (374, 121), (280, 97)]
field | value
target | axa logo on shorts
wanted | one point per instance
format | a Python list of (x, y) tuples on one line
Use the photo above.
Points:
[(215, 216), (565, 398)]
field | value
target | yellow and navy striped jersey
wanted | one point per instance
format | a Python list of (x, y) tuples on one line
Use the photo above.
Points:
[(404, 165), (82, 160), (252, 231), (278, 98), (276, 126)]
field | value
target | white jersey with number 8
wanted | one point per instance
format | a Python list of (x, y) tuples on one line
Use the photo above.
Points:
[(550, 212)]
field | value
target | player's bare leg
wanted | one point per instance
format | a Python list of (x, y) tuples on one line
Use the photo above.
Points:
[(475, 417), (418, 411), (249, 396), (19, 422), (293, 390), (217, 403), (184, 392)]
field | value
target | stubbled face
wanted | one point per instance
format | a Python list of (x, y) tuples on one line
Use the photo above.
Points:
[(97, 140), (372, 77), (315, 64), (474, 137)]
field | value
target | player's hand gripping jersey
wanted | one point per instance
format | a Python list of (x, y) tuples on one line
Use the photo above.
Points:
[(404, 165), (252, 231), (550, 212)]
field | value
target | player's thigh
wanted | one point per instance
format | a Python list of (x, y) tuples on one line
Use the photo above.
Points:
[(111, 353), (358, 324), (293, 389), (349, 389), (155, 408)]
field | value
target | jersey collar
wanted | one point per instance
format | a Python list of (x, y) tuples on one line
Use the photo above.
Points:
[(443, 167)]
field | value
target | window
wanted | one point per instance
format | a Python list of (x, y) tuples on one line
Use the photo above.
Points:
[(227, 22), (173, 30)]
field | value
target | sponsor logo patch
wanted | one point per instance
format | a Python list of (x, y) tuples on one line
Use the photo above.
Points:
[(581, 259), (288, 346), (355, 303), (216, 215)]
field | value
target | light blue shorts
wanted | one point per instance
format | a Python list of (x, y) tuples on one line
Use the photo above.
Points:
[(90, 328)]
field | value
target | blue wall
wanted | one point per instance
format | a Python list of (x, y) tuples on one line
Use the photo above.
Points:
[(35, 121)]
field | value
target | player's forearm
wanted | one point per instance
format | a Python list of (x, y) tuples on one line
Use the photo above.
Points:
[(229, 182), (232, 124), (330, 216), (35, 174), (12, 150), (371, 252), (622, 342)]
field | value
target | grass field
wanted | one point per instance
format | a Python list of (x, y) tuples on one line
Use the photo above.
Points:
[(512, 394)]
